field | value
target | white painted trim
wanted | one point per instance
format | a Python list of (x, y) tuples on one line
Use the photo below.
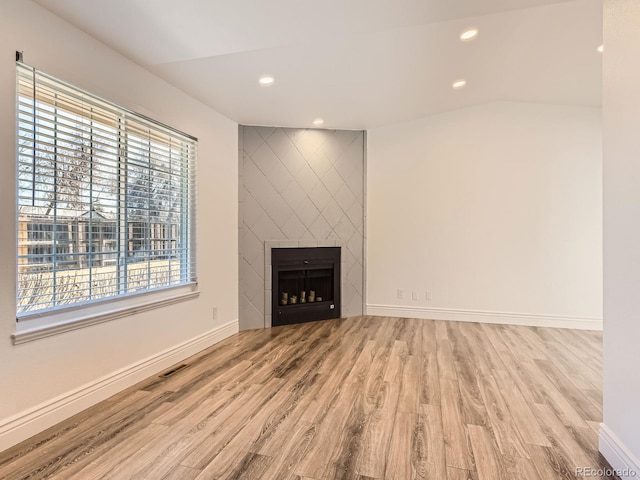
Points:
[(365, 219), (36, 419), (30, 330), (617, 454), (459, 315)]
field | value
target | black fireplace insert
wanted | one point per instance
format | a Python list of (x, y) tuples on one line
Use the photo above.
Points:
[(305, 284)]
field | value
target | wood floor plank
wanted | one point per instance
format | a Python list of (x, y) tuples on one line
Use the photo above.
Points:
[(487, 460), (226, 460), (469, 365), (180, 472), (204, 368), (292, 453), (441, 329), (511, 363), (323, 445), (410, 387), (297, 356), (521, 468), (345, 412), (342, 453), (60, 456), (374, 381), (574, 343), (446, 362), (523, 418), (90, 467), (561, 439), (594, 396), (550, 464), (507, 436), (66, 437), (97, 464), (366, 398), (143, 455), (428, 455), (530, 343), (397, 360), (585, 408), (181, 409), (362, 365), (272, 440), (371, 325), (225, 427), (459, 474), (480, 349), (313, 368), (553, 397), (342, 461), (125, 469), (375, 444), (398, 462), (414, 342), (586, 437), (252, 466), (456, 438), (429, 382), (188, 434), (566, 362), (573, 351)]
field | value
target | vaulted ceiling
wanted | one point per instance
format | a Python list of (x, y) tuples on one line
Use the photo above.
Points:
[(356, 63)]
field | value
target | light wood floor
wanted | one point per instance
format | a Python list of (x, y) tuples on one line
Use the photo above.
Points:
[(359, 398)]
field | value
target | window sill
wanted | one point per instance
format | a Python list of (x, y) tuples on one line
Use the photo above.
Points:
[(61, 322)]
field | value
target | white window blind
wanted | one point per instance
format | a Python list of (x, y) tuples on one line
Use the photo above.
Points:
[(106, 199)]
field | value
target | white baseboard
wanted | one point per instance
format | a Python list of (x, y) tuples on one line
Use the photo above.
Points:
[(25, 424), (458, 315), (618, 455)]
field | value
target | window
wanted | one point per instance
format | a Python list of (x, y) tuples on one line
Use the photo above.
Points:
[(105, 199)]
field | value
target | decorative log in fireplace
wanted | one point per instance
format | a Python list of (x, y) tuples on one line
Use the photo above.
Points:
[(305, 284)]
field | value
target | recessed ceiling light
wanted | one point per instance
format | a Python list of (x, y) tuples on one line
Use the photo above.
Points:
[(318, 121), (469, 34), (458, 84), (601, 48), (266, 80)]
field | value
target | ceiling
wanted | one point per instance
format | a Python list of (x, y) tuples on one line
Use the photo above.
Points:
[(358, 64)]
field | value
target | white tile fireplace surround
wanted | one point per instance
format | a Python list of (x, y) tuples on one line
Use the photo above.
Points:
[(299, 188)]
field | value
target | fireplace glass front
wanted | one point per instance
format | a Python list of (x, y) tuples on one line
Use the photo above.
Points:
[(305, 284)]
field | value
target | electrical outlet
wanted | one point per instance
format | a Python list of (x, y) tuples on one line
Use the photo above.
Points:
[(215, 313), (427, 295), (414, 295), (400, 293)]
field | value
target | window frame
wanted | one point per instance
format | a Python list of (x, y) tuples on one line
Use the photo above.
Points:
[(76, 314)]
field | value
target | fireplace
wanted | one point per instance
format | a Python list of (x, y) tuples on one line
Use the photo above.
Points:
[(305, 284)]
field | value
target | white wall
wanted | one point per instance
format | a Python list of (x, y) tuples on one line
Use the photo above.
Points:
[(495, 209), (620, 433), (34, 374)]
